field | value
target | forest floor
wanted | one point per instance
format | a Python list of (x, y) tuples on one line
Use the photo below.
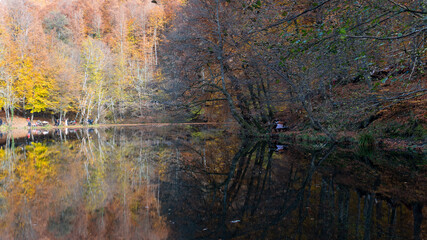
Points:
[(385, 115), (18, 122)]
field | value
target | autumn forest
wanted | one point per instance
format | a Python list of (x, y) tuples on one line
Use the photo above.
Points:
[(91, 59), (213, 119), (331, 66)]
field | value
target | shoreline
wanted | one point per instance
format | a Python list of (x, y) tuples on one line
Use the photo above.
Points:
[(23, 131), (350, 139), (8, 128), (297, 137)]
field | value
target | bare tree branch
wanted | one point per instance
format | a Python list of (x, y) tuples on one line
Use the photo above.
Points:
[(416, 32)]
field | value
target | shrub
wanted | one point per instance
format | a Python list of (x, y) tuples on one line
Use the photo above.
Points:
[(366, 140)]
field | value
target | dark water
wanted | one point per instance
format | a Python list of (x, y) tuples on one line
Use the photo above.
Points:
[(197, 182)]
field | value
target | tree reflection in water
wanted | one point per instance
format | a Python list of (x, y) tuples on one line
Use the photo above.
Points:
[(203, 183), (296, 193)]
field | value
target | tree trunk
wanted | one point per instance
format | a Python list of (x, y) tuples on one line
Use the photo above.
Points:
[(230, 101)]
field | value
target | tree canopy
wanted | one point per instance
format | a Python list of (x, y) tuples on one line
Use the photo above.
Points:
[(335, 65)]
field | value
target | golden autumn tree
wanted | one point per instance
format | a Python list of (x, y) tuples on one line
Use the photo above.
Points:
[(33, 88)]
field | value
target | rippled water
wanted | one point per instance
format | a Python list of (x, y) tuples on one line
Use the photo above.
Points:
[(200, 182)]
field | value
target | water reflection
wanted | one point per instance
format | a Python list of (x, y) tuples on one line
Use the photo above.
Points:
[(202, 183)]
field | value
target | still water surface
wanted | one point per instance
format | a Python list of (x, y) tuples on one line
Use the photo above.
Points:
[(200, 182)]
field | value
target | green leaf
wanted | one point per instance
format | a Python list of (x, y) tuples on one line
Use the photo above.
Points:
[(335, 9), (384, 80), (376, 85)]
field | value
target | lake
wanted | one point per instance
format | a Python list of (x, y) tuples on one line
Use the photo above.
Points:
[(203, 182)]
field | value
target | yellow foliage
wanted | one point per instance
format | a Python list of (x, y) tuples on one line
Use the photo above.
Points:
[(35, 169), (32, 87)]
